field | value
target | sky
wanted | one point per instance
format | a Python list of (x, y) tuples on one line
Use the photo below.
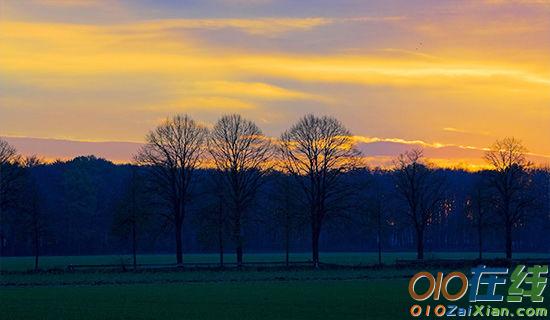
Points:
[(448, 76)]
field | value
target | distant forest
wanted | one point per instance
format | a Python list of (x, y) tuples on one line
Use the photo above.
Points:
[(89, 206)]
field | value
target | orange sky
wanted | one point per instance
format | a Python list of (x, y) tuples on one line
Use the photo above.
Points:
[(450, 76)]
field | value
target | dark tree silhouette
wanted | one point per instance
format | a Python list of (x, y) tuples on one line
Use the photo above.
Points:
[(510, 180), (242, 154), (318, 151), (11, 175), (31, 218), (477, 209), (174, 150), (374, 213), (212, 222), (423, 190), (133, 211), (287, 211)]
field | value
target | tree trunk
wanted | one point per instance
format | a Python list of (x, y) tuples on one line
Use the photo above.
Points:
[(239, 241), (221, 254), (379, 240), (179, 247), (239, 252), (379, 236), (36, 250), (420, 244), (287, 246), (220, 229), (480, 241), (508, 241), (315, 245), (220, 243), (134, 243)]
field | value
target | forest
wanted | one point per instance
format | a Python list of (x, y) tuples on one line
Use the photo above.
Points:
[(229, 189)]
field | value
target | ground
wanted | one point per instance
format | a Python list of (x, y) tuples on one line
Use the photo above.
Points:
[(250, 294)]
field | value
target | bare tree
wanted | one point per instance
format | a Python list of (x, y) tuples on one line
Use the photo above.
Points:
[(510, 179), (423, 190), (317, 151), (242, 154), (477, 211), (174, 150), (11, 175), (133, 211), (287, 211), (212, 222), (31, 218), (373, 214)]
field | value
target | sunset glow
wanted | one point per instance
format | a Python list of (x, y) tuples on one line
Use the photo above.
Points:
[(449, 77)]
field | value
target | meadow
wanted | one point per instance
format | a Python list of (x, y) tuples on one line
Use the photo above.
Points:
[(343, 258), (297, 293)]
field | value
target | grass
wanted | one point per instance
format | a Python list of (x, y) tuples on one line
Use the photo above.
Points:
[(385, 299), (374, 299), (347, 258), (232, 294)]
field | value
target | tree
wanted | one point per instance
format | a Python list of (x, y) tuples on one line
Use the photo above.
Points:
[(174, 150), (510, 180), (423, 190), (10, 172), (374, 214), (31, 218), (242, 155), (133, 211), (286, 209), (11, 175), (318, 151), (212, 222), (477, 211)]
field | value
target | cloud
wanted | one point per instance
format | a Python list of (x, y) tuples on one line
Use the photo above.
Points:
[(218, 103), (255, 90), (518, 2), (255, 26), (475, 67), (467, 132), (71, 3)]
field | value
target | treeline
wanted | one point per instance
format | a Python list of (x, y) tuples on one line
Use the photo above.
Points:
[(232, 189)]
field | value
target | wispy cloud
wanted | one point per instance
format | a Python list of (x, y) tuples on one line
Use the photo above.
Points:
[(469, 132), (71, 3)]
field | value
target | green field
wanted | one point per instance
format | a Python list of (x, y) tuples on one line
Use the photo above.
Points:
[(230, 294), (346, 258), (375, 299)]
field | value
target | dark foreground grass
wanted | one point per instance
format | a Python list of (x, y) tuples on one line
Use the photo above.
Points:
[(357, 299), (340, 293), (343, 258)]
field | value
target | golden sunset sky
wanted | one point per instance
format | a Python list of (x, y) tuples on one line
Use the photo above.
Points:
[(451, 76)]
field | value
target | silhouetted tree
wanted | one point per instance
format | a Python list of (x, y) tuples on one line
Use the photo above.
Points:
[(81, 203), (318, 151), (477, 209), (213, 222), (423, 190), (11, 175), (242, 154), (31, 218), (287, 210), (376, 204), (174, 150), (133, 211), (510, 180)]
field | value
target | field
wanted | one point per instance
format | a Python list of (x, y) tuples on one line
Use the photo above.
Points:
[(231, 294), (346, 258)]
